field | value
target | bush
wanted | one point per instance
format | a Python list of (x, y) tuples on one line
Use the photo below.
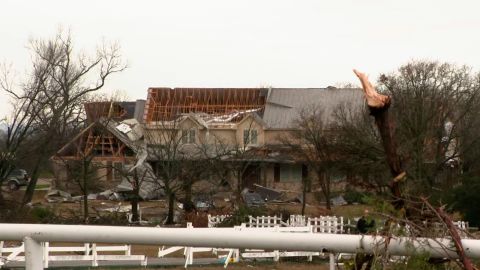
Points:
[(43, 215), (241, 215), (354, 196), (464, 198)]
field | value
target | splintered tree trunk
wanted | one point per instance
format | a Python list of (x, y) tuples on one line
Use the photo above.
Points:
[(379, 106)]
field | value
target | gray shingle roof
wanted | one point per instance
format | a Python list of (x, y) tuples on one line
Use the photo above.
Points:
[(284, 104)]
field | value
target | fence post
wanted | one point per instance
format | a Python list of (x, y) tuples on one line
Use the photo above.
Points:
[(276, 253), (33, 254), (341, 225), (332, 261), (1, 251), (87, 249), (46, 246), (94, 255)]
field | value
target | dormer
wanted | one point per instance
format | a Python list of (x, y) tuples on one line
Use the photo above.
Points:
[(250, 131), (189, 129)]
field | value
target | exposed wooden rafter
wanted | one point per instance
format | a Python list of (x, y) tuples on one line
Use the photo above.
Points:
[(164, 104)]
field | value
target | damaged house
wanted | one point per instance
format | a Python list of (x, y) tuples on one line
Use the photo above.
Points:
[(243, 126), (112, 140)]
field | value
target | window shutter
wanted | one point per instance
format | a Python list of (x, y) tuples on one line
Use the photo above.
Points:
[(253, 136), (246, 136), (184, 136)]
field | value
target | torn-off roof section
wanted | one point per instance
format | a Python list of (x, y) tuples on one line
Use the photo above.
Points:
[(165, 104), (106, 109), (284, 104)]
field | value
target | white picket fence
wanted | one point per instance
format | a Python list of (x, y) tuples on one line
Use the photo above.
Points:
[(233, 255), (276, 254), (296, 224), (213, 221), (265, 222), (89, 253), (322, 224)]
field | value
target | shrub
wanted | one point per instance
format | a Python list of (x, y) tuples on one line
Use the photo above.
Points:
[(241, 215)]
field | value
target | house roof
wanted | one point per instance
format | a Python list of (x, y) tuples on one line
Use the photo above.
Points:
[(284, 104), (131, 139), (167, 103), (109, 109)]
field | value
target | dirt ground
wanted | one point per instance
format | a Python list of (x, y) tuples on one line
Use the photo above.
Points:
[(155, 211)]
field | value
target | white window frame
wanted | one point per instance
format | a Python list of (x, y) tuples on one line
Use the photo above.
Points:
[(189, 136), (250, 137)]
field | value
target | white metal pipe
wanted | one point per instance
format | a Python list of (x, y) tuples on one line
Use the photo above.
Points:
[(231, 238), (33, 254)]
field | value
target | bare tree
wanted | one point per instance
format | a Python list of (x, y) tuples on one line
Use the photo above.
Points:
[(314, 144), (18, 130), (178, 159), (241, 160), (84, 172), (136, 178), (59, 82)]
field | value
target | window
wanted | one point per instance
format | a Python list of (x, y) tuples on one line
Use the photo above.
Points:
[(250, 136), (188, 136), (117, 171), (290, 173)]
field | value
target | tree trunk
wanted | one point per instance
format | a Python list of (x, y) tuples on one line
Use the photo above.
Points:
[(85, 191), (239, 187), (378, 105), (304, 194), (136, 195), (188, 205), (327, 191), (134, 203), (2, 199), (171, 207), (28, 196), (325, 185)]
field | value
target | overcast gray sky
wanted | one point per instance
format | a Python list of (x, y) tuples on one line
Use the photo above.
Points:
[(222, 43)]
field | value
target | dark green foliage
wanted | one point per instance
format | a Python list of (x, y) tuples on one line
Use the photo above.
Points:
[(355, 196), (43, 215), (241, 215), (465, 198)]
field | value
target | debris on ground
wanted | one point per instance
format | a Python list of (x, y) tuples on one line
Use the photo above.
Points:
[(150, 188), (299, 198), (339, 200), (55, 195), (203, 203), (252, 198), (268, 194)]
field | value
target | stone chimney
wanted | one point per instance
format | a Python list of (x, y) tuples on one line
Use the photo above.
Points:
[(139, 109)]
